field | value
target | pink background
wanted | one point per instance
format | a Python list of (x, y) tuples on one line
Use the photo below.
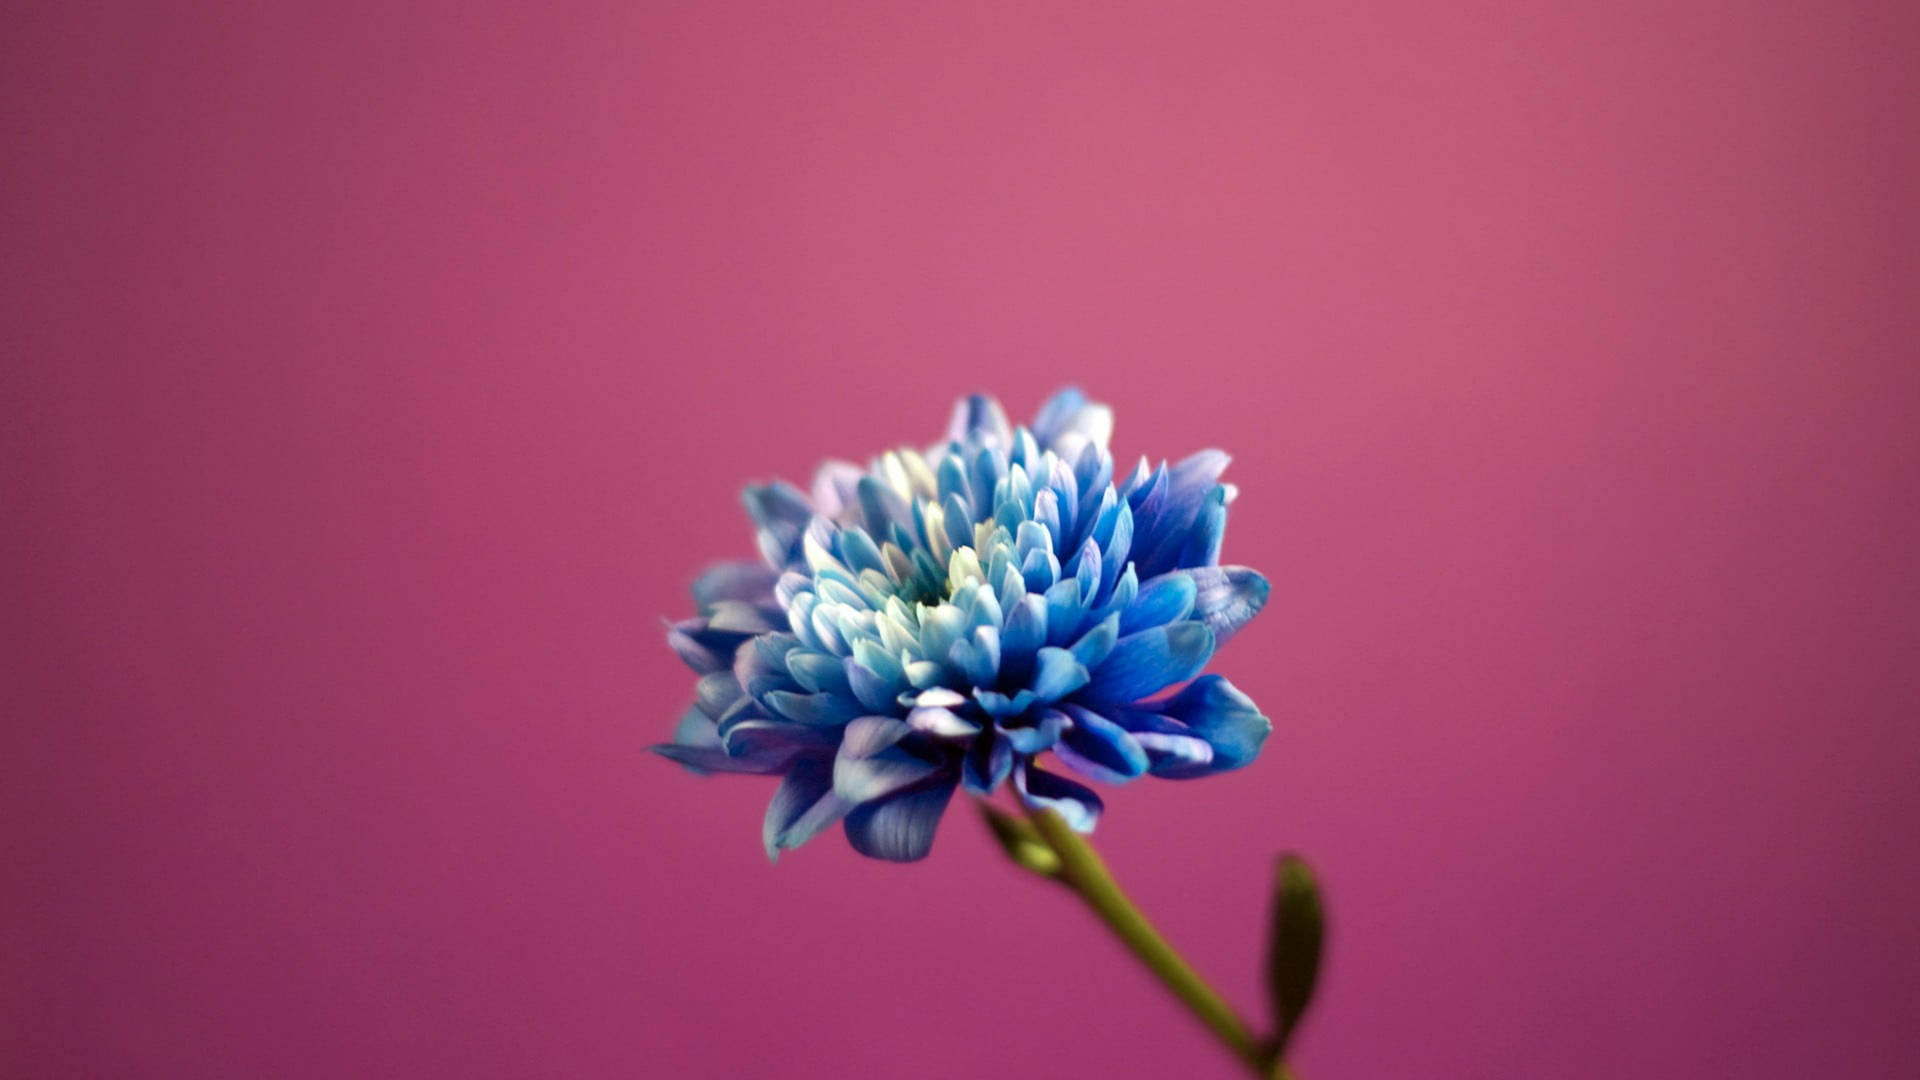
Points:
[(376, 378)]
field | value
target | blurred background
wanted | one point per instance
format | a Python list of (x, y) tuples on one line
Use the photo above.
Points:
[(376, 377)]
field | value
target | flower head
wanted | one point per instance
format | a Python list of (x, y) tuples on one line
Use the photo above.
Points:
[(941, 619)]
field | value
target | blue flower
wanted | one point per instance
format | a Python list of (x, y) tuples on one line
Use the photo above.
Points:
[(939, 620)]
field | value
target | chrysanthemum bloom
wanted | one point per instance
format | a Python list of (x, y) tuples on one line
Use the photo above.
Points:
[(942, 619)]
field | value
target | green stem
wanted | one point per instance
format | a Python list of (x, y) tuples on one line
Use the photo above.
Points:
[(1082, 870)]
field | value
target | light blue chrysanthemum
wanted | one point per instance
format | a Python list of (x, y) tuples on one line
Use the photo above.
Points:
[(940, 619)]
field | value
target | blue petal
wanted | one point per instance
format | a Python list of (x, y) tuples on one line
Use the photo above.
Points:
[(1046, 503), (1031, 537), (873, 690), (1167, 598), (1039, 570), (1031, 737), (1168, 509), (1092, 471), (881, 506), (1097, 747), (1025, 632), (1057, 674), (802, 805), (696, 729), (1000, 705), (1226, 598), (1057, 413), (760, 664), (1150, 660), (822, 708), (899, 828), (1074, 802), (1226, 718), (780, 513), (950, 480), (978, 659), (1202, 547), (816, 672), (1097, 644), (857, 549), (988, 762), (1064, 612), (1086, 570), (978, 417), (958, 515), (778, 503)]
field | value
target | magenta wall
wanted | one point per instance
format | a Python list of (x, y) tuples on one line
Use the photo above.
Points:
[(374, 379)]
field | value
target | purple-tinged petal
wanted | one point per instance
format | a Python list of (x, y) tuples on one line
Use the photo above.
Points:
[(900, 828), (1175, 757), (940, 697), (780, 513), (941, 722), (1039, 789), (701, 648), (751, 735), (868, 735), (701, 760), (866, 777), (740, 617), (1151, 660), (1226, 598), (698, 746), (716, 693), (802, 805), (833, 486), (748, 582)]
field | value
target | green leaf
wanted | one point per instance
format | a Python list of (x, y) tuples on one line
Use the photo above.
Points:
[(1022, 842), (1293, 946)]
